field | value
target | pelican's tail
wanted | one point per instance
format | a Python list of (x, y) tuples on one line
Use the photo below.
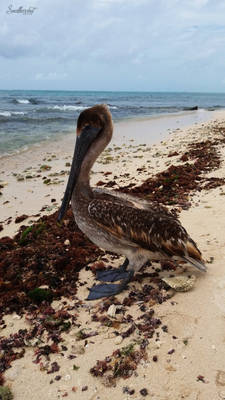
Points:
[(196, 263), (193, 255)]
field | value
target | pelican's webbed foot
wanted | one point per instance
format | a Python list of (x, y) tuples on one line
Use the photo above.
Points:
[(114, 274), (103, 290)]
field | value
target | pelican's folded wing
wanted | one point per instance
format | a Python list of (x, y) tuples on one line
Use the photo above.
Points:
[(150, 228), (131, 200)]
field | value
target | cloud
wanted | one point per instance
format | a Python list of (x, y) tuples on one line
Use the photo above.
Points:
[(80, 39), (50, 76)]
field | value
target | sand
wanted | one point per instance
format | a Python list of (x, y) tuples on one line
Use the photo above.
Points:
[(131, 141), (195, 368)]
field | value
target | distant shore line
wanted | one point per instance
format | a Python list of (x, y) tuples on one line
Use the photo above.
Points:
[(186, 118)]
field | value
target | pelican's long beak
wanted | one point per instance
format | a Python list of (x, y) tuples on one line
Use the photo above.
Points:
[(83, 142)]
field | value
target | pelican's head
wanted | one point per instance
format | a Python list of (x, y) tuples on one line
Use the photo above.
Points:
[(94, 132), (98, 117)]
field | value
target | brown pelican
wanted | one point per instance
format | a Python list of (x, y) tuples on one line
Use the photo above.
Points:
[(119, 223)]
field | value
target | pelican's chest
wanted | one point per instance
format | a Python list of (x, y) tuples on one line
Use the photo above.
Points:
[(80, 203), (89, 226), (80, 210)]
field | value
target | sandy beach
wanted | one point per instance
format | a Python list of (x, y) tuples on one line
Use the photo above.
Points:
[(171, 349), (26, 190)]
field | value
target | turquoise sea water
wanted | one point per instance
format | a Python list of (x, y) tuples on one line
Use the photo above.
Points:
[(29, 117)]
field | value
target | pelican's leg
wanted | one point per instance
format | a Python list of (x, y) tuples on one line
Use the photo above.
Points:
[(103, 290), (114, 274)]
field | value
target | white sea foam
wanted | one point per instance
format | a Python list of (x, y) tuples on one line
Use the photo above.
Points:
[(113, 107), (5, 114), (14, 152), (22, 101), (67, 108), (74, 108), (10, 113), (18, 113), (200, 110)]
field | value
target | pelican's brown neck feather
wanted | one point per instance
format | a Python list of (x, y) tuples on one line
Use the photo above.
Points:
[(97, 116)]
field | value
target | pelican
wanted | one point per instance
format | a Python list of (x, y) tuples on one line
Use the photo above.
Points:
[(119, 223)]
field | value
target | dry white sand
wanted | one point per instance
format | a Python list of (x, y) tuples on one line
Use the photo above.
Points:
[(196, 318)]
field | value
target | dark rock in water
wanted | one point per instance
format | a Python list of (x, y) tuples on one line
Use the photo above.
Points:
[(34, 101), (191, 108)]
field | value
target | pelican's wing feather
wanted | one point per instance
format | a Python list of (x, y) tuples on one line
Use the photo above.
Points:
[(131, 200), (149, 228)]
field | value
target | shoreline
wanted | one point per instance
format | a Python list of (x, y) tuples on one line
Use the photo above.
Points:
[(184, 357), (159, 121), (29, 165), (28, 192)]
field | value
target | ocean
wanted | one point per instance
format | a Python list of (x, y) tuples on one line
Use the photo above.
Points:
[(30, 117)]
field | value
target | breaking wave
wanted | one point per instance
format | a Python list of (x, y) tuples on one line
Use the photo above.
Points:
[(26, 101), (66, 108), (8, 114)]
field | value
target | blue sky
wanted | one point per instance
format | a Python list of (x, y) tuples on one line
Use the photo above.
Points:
[(151, 45)]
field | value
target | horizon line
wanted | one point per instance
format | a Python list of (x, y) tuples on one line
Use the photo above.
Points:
[(111, 91)]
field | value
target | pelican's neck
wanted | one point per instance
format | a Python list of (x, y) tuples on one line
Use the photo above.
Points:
[(83, 182)]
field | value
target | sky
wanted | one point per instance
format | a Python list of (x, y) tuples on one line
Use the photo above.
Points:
[(127, 45)]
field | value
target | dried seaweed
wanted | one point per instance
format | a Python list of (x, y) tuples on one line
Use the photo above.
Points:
[(5, 393), (174, 185), (37, 256), (122, 363)]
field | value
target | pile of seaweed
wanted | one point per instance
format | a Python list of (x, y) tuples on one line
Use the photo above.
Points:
[(174, 185), (45, 253)]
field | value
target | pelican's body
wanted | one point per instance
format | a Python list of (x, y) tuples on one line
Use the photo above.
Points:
[(119, 223)]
